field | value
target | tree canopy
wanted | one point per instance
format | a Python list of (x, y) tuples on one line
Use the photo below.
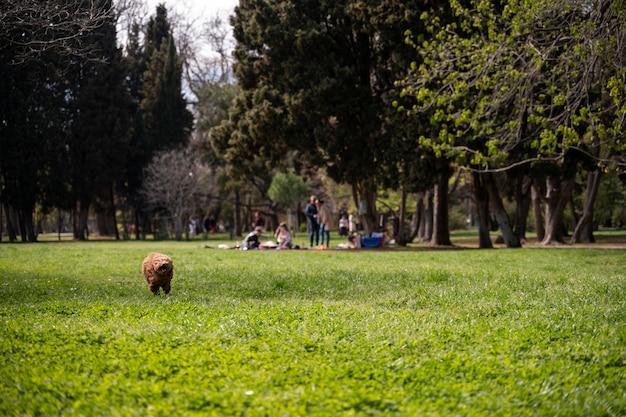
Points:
[(524, 83), (316, 79)]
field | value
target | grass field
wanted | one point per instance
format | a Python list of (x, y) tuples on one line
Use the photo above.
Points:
[(527, 332)]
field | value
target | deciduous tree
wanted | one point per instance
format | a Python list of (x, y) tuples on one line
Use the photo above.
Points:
[(510, 84), (171, 181)]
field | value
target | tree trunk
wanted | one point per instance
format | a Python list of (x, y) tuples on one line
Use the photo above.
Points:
[(113, 212), (11, 222), (137, 224), (523, 200), (27, 226), (441, 227), (417, 217), (573, 212), (365, 200), (557, 195), (583, 232), (180, 226), (238, 227), (81, 232), (400, 236), (426, 230), (481, 197), (497, 207), (535, 194)]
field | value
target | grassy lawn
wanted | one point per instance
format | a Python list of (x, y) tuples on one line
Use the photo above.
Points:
[(527, 332)]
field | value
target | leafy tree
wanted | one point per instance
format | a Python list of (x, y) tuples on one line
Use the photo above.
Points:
[(138, 153), (48, 60), (98, 144), (166, 119), (287, 190), (161, 119), (510, 84), (315, 78), (29, 133)]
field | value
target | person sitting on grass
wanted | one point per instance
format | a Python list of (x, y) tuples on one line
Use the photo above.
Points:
[(252, 240), (283, 237)]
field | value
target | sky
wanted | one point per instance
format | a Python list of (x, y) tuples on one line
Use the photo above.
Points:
[(197, 11), (201, 9)]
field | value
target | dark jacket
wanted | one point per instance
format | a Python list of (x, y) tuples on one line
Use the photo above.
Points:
[(310, 211), (251, 241)]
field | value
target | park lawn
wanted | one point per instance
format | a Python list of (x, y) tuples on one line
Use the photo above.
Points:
[(526, 332)]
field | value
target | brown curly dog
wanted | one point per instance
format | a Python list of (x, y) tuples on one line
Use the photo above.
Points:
[(159, 271)]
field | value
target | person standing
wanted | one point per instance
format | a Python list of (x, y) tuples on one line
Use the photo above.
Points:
[(325, 221), (310, 211), (259, 221), (343, 225), (351, 223)]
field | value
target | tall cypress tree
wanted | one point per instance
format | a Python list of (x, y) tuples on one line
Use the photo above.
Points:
[(139, 154), (166, 119), (160, 116), (98, 142)]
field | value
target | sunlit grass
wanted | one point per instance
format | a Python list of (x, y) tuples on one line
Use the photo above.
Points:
[(331, 333)]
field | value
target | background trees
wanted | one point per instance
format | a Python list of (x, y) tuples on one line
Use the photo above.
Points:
[(316, 79), (68, 136), (525, 86), (49, 71), (172, 180), (529, 100)]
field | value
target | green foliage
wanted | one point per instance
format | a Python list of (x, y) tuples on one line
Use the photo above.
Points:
[(166, 118), (311, 333), (287, 189), (317, 80), (498, 76)]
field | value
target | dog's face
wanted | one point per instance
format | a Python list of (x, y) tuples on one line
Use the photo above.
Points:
[(162, 264)]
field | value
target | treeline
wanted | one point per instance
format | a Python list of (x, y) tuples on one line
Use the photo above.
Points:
[(80, 119), (397, 95), (387, 96)]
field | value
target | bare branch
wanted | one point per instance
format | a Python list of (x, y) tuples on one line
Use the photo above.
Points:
[(35, 27)]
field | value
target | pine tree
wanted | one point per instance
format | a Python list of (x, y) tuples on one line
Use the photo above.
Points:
[(166, 119), (98, 142)]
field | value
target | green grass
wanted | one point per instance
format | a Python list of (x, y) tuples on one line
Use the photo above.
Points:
[(530, 332)]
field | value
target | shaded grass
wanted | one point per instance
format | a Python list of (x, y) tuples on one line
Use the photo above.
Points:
[(505, 332)]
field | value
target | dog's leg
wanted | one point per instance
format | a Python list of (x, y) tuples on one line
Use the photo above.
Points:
[(166, 287), (154, 289)]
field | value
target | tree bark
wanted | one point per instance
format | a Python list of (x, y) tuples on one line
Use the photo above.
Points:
[(365, 201), (237, 220), (400, 236), (417, 222), (557, 195), (11, 222), (481, 197), (535, 194), (27, 226), (426, 229), (81, 231), (441, 227), (497, 207), (523, 200), (583, 232)]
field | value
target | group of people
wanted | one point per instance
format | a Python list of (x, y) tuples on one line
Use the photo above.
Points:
[(282, 235), (209, 225), (319, 222)]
